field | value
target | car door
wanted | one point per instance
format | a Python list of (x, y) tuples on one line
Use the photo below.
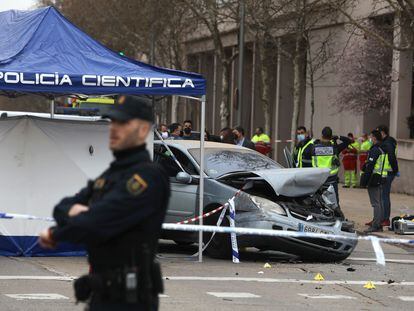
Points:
[(184, 198)]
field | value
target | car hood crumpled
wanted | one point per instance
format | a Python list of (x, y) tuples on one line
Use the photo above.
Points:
[(295, 182)]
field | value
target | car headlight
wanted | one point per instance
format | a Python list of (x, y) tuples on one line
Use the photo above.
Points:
[(268, 205)]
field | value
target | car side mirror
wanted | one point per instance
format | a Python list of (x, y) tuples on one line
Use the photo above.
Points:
[(184, 178)]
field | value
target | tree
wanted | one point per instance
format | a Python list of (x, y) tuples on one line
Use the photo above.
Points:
[(366, 73), (213, 17), (286, 25), (402, 27)]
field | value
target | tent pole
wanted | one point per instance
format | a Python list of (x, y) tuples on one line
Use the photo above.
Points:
[(201, 189), (52, 108)]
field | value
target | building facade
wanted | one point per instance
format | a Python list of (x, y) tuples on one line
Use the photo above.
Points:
[(201, 58)]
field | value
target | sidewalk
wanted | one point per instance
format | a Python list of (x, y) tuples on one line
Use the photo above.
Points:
[(356, 207)]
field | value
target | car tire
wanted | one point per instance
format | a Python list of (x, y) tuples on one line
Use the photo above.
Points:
[(220, 245)]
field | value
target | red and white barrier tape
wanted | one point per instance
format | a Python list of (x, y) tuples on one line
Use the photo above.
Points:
[(187, 221)]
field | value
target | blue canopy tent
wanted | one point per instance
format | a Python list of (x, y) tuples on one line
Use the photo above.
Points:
[(41, 52)]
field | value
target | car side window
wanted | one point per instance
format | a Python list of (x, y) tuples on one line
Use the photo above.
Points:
[(184, 161), (161, 156)]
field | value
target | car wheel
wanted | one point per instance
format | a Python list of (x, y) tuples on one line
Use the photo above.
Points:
[(220, 245)]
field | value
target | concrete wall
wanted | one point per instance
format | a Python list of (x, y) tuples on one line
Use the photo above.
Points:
[(405, 183)]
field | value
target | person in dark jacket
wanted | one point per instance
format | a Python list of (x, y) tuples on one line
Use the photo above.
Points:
[(389, 145), (302, 152), (176, 131), (325, 154), (118, 217), (241, 140), (373, 177)]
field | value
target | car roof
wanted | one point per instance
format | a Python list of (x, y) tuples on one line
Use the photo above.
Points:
[(190, 144)]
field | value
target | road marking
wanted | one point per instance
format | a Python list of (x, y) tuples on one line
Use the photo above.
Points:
[(37, 296), (409, 261), (232, 295), (322, 296), (271, 280), (163, 296), (406, 298), (219, 279), (37, 277)]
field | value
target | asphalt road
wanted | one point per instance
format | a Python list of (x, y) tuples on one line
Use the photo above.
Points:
[(45, 283)]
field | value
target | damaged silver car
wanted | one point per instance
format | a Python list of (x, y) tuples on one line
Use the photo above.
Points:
[(275, 198)]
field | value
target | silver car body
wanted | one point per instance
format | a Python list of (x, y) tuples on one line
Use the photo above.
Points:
[(252, 210)]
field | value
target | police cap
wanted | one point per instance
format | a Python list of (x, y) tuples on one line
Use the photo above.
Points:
[(129, 107)]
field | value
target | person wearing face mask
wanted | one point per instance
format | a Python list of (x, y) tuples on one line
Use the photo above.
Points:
[(374, 177), (187, 130), (302, 154), (164, 131), (240, 140)]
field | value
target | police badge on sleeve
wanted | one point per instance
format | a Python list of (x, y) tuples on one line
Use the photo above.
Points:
[(136, 185)]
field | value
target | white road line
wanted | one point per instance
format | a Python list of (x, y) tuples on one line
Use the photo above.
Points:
[(322, 296), (270, 280), (37, 296), (232, 295), (163, 296), (406, 298), (37, 277), (409, 261)]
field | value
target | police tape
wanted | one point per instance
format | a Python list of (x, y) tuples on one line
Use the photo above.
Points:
[(214, 210), (380, 257), (379, 254), (204, 215)]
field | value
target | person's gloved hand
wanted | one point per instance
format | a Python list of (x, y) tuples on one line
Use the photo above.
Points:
[(398, 174), (336, 137)]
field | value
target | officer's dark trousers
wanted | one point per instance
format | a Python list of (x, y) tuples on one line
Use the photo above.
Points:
[(376, 203), (386, 200), (109, 306)]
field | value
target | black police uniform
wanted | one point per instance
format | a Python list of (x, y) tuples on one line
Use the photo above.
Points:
[(127, 205)]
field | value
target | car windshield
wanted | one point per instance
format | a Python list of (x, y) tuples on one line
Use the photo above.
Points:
[(223, 161)]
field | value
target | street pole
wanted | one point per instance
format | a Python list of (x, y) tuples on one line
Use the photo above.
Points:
[(241, 64), (152, 45)]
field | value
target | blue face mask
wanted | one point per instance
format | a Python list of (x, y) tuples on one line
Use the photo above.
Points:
[(300, 137)]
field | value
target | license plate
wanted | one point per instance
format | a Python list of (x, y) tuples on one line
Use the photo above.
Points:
[(311, 229)]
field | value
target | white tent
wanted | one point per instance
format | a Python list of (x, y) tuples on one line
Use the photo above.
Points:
[(41, 161)]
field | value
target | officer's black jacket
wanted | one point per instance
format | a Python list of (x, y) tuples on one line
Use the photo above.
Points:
[(368, 168), (389, 144), (127, 205)]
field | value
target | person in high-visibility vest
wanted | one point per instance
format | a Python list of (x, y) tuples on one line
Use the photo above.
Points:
[(260, 136), (389, 145), (373, 177), (349, 161), (302, 152), (365, 145), (325, 154)]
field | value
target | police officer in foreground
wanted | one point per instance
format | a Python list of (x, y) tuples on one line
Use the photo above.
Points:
[(118, 218), (325, 154)]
